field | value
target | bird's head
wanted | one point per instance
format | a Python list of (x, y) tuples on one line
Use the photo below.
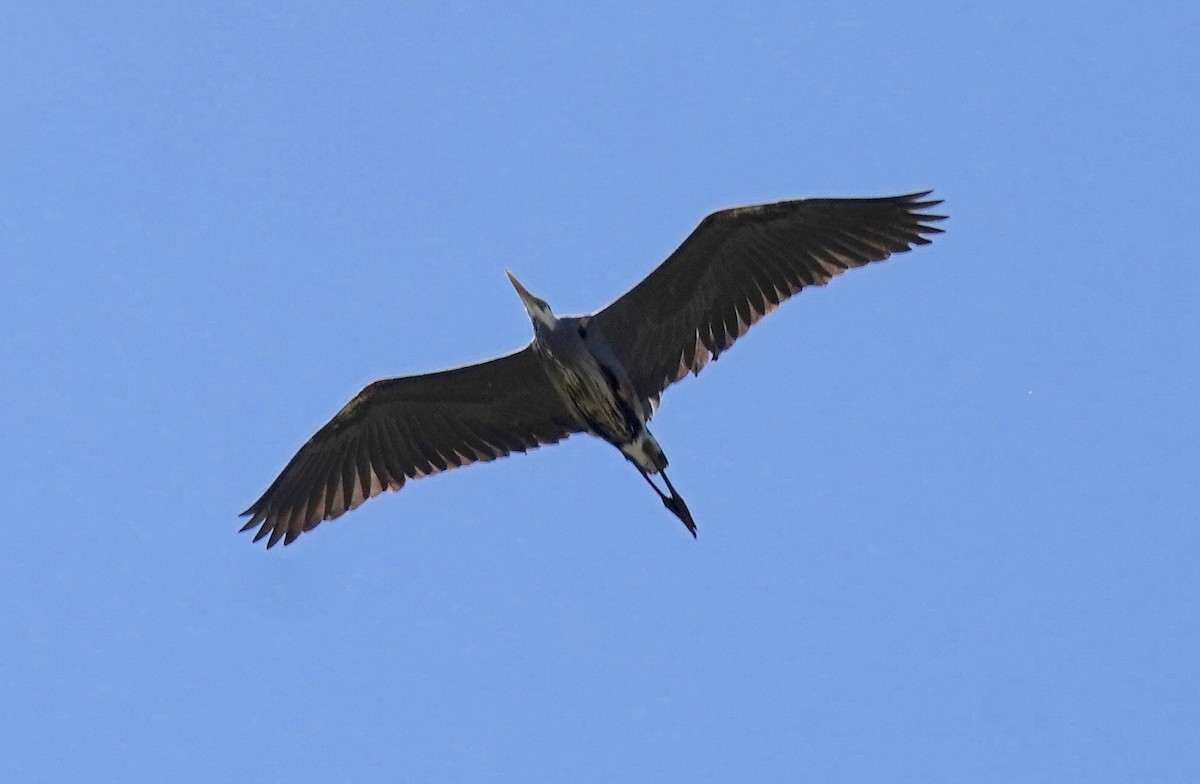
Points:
[(539, 312)]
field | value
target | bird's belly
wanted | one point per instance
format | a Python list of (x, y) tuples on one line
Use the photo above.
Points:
[(597, 407)]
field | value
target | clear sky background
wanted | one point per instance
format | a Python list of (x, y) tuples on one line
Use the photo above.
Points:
[(947, 505)]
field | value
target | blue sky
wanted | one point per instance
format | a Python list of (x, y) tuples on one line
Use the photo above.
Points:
[(947, 505)]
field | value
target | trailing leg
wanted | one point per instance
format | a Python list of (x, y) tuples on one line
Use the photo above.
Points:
[(674, 502)]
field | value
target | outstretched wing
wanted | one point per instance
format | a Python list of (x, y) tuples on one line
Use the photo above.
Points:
[(406, 428), (738, 265)]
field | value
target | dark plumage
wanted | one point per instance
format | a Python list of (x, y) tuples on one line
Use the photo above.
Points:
[(603, 373)]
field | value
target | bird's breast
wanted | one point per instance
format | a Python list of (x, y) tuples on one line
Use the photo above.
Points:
[(593, 394)]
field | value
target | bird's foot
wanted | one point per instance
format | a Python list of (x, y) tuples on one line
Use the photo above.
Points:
[(678, 508)]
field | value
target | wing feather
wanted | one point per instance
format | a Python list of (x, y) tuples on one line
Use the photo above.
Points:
[(405, 428), (739, 265)]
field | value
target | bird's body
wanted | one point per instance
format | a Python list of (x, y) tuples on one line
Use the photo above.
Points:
[(595, 387), (601, 374), (592, 382)]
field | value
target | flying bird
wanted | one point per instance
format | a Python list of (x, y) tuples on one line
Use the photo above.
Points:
[(602, 373)]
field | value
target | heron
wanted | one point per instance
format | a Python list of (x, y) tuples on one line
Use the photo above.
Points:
[(603, 373)]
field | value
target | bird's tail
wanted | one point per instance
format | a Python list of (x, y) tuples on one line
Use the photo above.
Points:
[(645, 453)]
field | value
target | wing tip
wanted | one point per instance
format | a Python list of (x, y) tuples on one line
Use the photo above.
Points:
[(917, 200), (269, 525)]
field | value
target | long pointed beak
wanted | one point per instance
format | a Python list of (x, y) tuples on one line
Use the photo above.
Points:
[(526, 297)]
